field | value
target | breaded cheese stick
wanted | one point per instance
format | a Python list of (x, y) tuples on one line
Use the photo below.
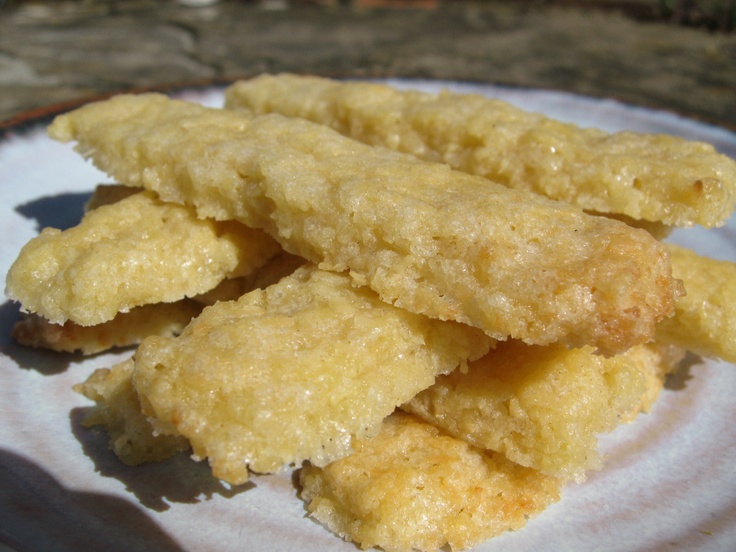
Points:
[(705, 318), (163, 319), (117, 409), (425, 238), (136, 251), (293, 372), (544, 407), (654, 177), (412, 487)]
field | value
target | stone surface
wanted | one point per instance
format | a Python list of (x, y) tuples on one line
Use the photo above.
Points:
[(67, 51)]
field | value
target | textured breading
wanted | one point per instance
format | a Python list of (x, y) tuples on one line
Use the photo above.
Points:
[(162, 319), (426, 238), (136, 251), (125, 329), (705, 318), (654, 177), (118, 409), (544, 407), (280, 265), (412, 487), (131, 435), (656, 365), (293, 372)]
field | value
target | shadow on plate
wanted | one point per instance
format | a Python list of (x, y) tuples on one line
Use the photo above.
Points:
[(60, 211), (677, 380), (44, 362), (38, 513), (178, 479)]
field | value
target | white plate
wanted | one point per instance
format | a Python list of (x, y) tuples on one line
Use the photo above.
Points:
[(669, 483)]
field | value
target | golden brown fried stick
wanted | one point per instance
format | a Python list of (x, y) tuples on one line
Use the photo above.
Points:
[(136, 251), (645, 176), (293, 372), (705, 318), (428, 239), (412, 487), (544, 407), (117, 408), (162, 319)]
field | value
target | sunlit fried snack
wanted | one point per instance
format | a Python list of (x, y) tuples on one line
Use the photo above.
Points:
[(162, 319), (136, 251), (412, 487), (293, 372), (364, 243), (124, 330), (118, 410), (705, 318), (654, 177), (117, 406), (426, 238), (544, 407)]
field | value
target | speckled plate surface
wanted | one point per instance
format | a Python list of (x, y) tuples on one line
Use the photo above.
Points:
[(669, 482)]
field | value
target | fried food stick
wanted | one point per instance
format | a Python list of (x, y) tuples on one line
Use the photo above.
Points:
[(136, 251), (292, 372), (117, 408), (412, 487), (653, 177), (162, 319), (425, 238), (705, 318), (544, 407)]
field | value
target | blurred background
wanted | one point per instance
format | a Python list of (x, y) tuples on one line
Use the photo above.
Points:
[(678, 55)]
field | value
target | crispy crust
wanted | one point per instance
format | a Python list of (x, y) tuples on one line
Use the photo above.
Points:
[(412, 487), (136, 251), (652, 177), (428, 239), (118, 410), (705, 318), (544, 407), (124, 330), (293, 372)]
